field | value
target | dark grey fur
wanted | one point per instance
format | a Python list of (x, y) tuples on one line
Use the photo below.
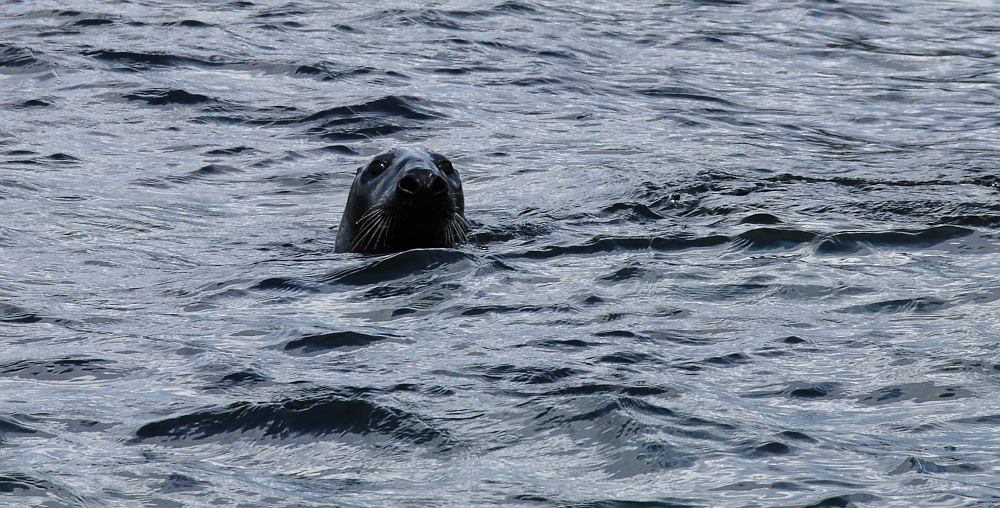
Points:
[(406, 198)]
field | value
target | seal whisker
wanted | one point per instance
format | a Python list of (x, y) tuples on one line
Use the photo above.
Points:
[(449, 233), (378, 230), (383, 234), (460, 227), (368, 225)]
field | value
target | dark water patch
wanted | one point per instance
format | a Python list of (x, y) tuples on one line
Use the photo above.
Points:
[(236, 150), (587, 419), (904, 305), (436, 391), (34, 159), (730, 360), (991, 420), (61, 158), (853, 182), (848, 243), (164, 97), (601, 244), (11, 427), (16, 57), (94, 22), (514, 309), (376, 118), (629, 273), (283, 26), (223, 376), (220, 112), (561, 344), (334, 341), (612, 389), (304, 184), (523, 375), (330, 416), (636, 405), (980, 219), (629, 430), (13, 314), (926, 466), (770, 448), (400, 265), (510, 7), (797, 436), (989, 180), (136, 62), (461, 71), (284, 11), (240, 378), (760, 218), (189, 23), (430, 18), (36, 103), (204, 173), (483, 234), (802, 390), (963, 365), (328, 71), (675, 337), (18, 485), (64, 369), (534, 82), (627, 358), (750, 485), (175, 483), (687, 94), (772, 238), (723, 3), (19, 153), (77, 426), (913, 392), (845, 501), (605, 503), (341, 149), (153, 183), (316, 248)]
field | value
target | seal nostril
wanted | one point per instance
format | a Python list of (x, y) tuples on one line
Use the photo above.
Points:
[(438, 186), (408, 185)]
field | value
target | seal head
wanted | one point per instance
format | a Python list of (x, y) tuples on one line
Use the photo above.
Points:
[(407, 198)]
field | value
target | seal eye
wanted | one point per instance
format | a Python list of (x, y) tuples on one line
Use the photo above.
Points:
[(376, 167), (445, 166)]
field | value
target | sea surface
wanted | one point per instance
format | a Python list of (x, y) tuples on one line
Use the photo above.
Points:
[(724, 253)]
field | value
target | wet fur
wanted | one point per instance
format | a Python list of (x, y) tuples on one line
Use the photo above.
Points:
[(379, 218)]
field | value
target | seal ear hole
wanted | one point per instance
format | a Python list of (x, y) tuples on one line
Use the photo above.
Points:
[(376, 167), (445, 166)]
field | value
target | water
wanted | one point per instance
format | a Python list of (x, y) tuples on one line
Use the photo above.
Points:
[(725, 254)]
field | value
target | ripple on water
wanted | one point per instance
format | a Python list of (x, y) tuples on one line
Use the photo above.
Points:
[(725, 253), (343, 416), (311, 345), (64, 369)]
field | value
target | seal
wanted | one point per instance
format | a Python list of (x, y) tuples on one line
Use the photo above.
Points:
[(406, 198)]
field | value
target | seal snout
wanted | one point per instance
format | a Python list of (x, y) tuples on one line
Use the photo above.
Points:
[(422, 183)]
